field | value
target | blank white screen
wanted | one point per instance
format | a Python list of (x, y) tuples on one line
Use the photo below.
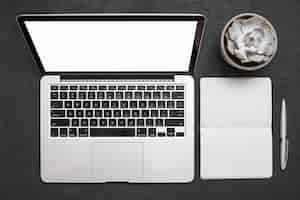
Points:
[(80, 46)]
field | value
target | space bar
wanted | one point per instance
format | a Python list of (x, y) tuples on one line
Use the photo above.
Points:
[(112, 132)]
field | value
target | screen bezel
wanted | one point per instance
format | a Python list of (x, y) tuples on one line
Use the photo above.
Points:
[(114, 17)]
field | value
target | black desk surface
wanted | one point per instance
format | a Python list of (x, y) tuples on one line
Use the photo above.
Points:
[(19, 92)]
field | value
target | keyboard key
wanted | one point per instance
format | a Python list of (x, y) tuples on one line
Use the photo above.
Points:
[(140, 122), (93, 87), (54, 95), (150, 87), (163, 113), (149, 122), (126, 113), (110, 95), (72, 95), (141, 87), (102, 87), (107, 113), (79, 113), (119, 95), (63, 132), (141, 132), (73, 87), (151, 132), (112, 132), (82, 95), (152, 104), (145, 113), (77, 104), (121, 87), (170, 132), (83, 132), (135, 113), (84, 122), (176, 113), (112, 122), (83, 87), (64, 87), (131, 87), (93, 122), (179, 87), (133, 104), (159, 122), (130, 122), (117, 113), (160, 87), (142, 104), (170, 104), (161, 134), (161, 104), (128, 95), (88, 113), (57, 113), (54, 87), (156, 95), (54, 132), (63, 95), (103, 122), (75, 122), (56, 104), (112, 87), (124, 104), (68, 104), (121, 122), (70, 113), (60, 122), (179, 104), (100, 95), (166, 95), (147, 95), (154, 113), (174, 122), (96, 104), (72, 132), (177, 95), (138, 95), (86, 104), (91, 95), (105, 104), (170, 87), (179, 134), (98, 113), (114, 104)]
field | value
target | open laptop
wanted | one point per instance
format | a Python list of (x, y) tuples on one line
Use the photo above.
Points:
[(116, 95)]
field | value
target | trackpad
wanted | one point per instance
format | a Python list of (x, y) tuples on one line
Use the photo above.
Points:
[(117, 161)]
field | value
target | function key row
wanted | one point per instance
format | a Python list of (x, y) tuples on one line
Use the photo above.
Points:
[(115, 95), (115, 87)]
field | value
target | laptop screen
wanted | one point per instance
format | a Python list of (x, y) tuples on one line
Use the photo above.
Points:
[(114, 46)]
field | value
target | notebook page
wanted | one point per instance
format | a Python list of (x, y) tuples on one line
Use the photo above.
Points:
[(235, 102)]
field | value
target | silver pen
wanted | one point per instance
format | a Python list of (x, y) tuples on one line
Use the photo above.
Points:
[(284, 143)]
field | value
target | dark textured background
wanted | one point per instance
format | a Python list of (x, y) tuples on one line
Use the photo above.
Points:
[(19, 86)]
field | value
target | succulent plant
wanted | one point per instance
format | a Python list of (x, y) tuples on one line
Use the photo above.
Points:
[(251, 40)]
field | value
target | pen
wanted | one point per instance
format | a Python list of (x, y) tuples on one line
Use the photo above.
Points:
[(283, 137)]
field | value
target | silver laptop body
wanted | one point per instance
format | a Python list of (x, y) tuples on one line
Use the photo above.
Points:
[(116, 95)]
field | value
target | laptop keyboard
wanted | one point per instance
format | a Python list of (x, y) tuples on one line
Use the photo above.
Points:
[(117, 110)]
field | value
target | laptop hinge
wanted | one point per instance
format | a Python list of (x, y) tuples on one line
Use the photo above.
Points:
[(102, 77)]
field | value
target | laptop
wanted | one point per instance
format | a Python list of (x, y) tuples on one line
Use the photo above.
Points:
[(116, 95)]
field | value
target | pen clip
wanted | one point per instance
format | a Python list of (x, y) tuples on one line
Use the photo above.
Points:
[(286, 151)]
